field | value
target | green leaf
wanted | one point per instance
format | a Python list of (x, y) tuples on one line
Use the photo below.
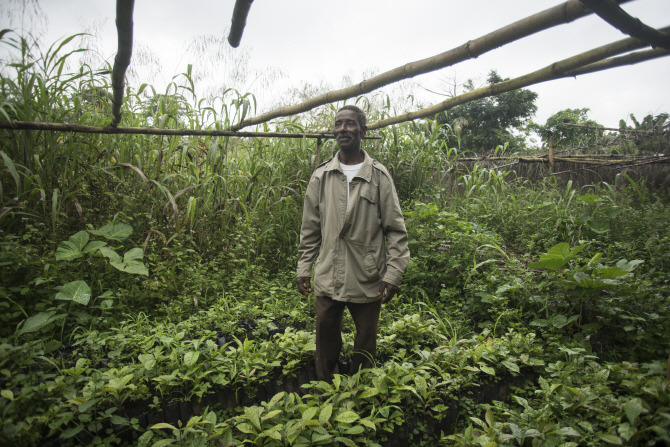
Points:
[(118, 420), (356, 430), (7, 394), (347, 417), (77, 291), (132, 262), (37, 322), (511, 366), (72, 248), (110, 254), (557, 257), (163, 425), (86, 405), (346, 441), (147, 360), (611, 439), (309, 413), (633, 409), (144, 440), (326, 412), (488, 370), (369, 393), (600, 227), (93, 246), (568, 431), (70, 432), (190, 358), (162, 442), (114, 231)]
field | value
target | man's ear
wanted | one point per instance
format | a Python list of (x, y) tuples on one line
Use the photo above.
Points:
[(364, 130)]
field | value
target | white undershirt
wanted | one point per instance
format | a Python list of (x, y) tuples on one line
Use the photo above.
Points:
[(350, 171)]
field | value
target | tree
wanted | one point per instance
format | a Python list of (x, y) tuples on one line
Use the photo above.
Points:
[(487, 123), (568, 136)]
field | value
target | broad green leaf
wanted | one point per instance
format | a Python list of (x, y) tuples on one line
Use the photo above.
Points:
[(600, 227), (110, 254), (309, 413), (7, 394), (347, 417), (356, 430), (611, 439), (511, 366), (369, 393), (77, 291), (147, 360), (132, 262), (70, 432), (73, 247), (488, 370), (37, 322), (326, 412), (190, 358), (633, 409), (114, 231), (559, 321), (86, 405), (246, 428), (145, 439), (368, 424), (276, 398), (568, 431), (163, 425), (557, 256), (163, 442), (346, 441), (118, 420), (93, 247)]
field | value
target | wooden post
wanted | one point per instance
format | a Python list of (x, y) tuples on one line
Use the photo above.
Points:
[(317, 160), (551, 153)]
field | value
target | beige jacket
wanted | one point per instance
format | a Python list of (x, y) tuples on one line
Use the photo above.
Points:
[(353, 258)]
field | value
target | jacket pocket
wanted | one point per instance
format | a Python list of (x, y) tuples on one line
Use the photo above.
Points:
[(369, 192), (370, 265)]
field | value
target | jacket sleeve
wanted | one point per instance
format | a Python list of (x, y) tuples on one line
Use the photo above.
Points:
[(310, 230), (393, 225)]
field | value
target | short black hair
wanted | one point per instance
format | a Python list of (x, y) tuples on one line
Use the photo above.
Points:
[(361, 114)]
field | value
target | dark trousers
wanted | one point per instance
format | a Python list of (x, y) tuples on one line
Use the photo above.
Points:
[(329, 335)]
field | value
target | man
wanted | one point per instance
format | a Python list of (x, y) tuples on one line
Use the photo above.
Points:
[(352, 220)]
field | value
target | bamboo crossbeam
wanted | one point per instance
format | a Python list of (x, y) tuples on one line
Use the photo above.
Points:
[(612, 13), (558, 15), (628, 59), (60, 127), (239, 21), (548, 73), (124, 27)]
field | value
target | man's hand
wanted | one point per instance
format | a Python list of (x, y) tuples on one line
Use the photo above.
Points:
[(304, 285), (391, 290)]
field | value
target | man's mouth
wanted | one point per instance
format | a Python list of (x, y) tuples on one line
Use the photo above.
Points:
[(344, 138)]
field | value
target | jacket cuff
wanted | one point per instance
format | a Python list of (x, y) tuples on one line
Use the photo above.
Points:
[(304, 272), (392, 278)]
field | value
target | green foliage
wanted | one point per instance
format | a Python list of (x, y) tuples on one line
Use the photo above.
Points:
[(568, 136), (481, 126)]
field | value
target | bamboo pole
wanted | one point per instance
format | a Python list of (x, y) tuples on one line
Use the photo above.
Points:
[(239, 21), (59, 127), (124, 27), (563, 13), (557, 69), (551, 152), (612, 13), (628, 59)]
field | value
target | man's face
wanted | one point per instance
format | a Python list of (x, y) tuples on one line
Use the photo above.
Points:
[(348, 131)]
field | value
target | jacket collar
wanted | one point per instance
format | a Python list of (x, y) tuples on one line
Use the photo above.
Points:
[(365, 172)]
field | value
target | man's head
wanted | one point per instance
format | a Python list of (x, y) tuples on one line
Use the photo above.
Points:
[(349, 128)]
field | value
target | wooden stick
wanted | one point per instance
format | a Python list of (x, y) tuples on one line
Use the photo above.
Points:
[(239, 21), (607, 128), (552, 71), (124, 27), (59, 127), (558, 15), (612, 13)]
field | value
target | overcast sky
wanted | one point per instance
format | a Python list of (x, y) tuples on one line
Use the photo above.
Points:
[(325, 40)]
